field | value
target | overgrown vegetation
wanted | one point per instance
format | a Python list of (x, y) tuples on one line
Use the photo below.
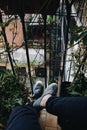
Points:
[(12, 93), (79, 85)]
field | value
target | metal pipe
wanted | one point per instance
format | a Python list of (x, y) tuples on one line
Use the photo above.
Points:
[(21, 13), (45, 58), (27, 53)]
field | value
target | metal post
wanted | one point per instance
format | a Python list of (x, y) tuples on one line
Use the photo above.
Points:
[(27, 53), (45, 58), (21, 14)]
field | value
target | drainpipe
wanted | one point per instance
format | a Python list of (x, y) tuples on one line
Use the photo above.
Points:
[(68, 8), (68, 11)]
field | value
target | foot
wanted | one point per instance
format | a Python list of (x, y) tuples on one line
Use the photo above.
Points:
[(38, 90), (51, 90)]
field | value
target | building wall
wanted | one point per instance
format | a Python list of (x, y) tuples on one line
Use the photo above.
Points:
[(14, 28)]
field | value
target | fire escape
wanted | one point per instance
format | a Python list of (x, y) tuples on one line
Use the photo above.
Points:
[(59, 35)]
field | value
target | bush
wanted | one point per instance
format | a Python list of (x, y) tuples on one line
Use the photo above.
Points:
[(79, 86), (11, 93)]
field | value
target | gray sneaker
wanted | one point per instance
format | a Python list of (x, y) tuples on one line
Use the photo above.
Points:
[(51, 89)]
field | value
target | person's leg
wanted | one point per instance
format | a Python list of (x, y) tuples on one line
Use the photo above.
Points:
[(71, 111), (23, 118)]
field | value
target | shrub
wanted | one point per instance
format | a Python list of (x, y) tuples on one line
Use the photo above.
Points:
[(11, 93)]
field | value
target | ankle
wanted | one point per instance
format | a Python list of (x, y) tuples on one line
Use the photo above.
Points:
[(44, 100)]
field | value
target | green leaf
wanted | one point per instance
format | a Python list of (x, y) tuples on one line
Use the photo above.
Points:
[(4, 24), (77, 29), (85, 40), (79, 33), (74, 93), (82, 35)]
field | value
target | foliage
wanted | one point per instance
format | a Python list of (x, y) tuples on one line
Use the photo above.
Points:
[(49, 19), (5, 24), (80, 59), (79, 34), (11, 93), (79, 85)]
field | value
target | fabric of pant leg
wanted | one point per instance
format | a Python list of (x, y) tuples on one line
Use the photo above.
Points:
[(23, 118), (71, 111)]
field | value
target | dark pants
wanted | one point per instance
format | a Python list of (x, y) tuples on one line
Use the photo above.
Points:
[(71, 112), (23, 118)]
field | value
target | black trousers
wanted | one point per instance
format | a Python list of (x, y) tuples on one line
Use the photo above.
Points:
[(23, 118), (71, 112)]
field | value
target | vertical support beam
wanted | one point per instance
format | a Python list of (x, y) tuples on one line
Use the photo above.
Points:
[(61, 16), (68, 8), (21, 13), (26, 47), (68, 11), (7, 45), (45, 58)]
